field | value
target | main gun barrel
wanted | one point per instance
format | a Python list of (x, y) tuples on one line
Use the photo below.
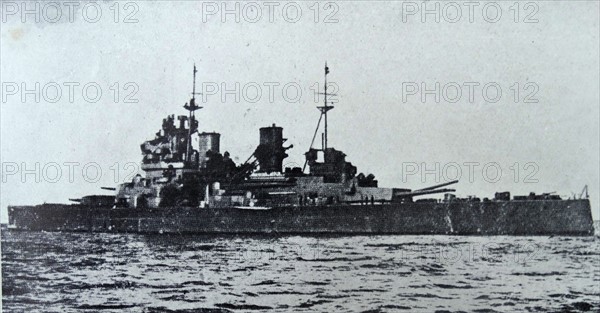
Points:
[(438, 186), (421, 192)]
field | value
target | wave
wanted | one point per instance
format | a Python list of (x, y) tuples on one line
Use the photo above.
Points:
[(243, 306), (338, 259), (198, 310), (553, 273), (447, 286), (310, 303), (106, 306), (424, 295)]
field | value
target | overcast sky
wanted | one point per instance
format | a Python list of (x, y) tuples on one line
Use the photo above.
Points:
[(542, 131)]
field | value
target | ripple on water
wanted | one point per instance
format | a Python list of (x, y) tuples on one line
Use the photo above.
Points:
[(54, 272)]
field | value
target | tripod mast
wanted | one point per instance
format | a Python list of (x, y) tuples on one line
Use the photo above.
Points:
[(323, 109)]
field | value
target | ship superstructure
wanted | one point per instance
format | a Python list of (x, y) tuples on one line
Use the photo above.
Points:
[(179, 174)]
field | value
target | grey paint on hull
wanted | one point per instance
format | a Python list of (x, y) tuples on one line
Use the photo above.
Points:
[(539, 217)]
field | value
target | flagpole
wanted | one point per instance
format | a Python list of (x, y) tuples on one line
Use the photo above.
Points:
[(325, 97)]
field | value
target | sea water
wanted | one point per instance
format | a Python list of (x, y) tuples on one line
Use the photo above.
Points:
[(100, 272)]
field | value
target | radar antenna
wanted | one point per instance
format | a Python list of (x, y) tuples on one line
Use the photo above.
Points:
[(191, 107)]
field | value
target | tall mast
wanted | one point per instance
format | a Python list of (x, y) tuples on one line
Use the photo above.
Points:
[(325, 107), (192, 118), (323, 110)]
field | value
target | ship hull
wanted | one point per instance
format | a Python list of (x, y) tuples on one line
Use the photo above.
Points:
[(535, 217)]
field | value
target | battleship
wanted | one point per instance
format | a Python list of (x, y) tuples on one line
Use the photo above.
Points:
[(188, 188)]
